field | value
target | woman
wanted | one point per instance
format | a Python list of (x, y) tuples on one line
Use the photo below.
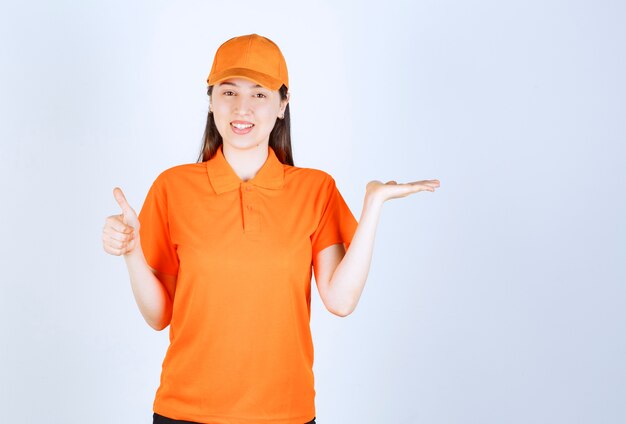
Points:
[(222, 252)]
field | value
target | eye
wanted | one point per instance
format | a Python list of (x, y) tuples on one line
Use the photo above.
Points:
[(229, 93), (260, 95)]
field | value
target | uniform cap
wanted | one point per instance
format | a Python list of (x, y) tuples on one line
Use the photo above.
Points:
[(253, 57)]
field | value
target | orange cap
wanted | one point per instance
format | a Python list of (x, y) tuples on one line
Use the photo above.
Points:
[(252, 57)]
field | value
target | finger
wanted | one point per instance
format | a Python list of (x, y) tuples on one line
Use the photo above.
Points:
[(428, 187), (427, 184), (424, 182), (121, 200), (113, 250), (434, 184), (419, 186), (119, 248), (110, 233), (116, 244), (116, 223)]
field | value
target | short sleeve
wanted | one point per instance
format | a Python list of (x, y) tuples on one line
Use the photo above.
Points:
[(337, 224), (154, 231)]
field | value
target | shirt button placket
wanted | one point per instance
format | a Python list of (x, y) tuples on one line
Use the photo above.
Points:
[(250, 215)]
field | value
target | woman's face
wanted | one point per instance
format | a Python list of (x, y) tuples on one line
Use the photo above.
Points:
[(245, 112)]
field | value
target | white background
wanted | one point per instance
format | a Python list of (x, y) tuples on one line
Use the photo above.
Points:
[(500, 298)]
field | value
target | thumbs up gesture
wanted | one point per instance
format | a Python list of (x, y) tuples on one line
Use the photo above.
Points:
[(120, 234)]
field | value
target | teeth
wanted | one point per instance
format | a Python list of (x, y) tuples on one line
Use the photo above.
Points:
[(241, 126)]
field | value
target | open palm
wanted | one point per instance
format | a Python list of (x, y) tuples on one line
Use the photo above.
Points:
[(392, 190)]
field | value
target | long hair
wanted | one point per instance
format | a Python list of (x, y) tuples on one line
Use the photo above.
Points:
[(280, 137)]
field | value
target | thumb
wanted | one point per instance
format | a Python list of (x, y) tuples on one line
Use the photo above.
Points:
[(130, 217)]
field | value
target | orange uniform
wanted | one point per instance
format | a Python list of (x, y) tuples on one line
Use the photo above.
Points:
[(240, 342)]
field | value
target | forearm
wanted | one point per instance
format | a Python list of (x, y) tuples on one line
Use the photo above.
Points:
[(348, 280), (150, 294)]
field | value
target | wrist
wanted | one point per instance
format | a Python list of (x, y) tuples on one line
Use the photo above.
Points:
[(135, 254), (372, 200)]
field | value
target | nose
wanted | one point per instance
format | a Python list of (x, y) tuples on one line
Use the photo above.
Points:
[(243, 105)]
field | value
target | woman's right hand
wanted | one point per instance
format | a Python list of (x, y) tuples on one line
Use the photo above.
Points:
[(120, 234)]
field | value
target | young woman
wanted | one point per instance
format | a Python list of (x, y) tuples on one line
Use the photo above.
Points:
[(223, 252)]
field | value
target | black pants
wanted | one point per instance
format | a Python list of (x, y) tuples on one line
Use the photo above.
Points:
[(160, 419)]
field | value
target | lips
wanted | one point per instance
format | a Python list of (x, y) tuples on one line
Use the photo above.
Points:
[(241, 127)]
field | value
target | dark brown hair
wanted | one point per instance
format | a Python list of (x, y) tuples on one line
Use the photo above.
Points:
[(280, 137)]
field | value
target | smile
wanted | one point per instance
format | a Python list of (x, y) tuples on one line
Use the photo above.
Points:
[(241, 127)]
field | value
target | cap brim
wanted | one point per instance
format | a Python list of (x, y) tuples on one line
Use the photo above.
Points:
[(258, 77)]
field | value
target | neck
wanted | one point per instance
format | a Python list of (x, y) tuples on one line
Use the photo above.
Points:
[(246, 163)]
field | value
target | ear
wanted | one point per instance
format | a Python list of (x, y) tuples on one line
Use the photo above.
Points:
[(283, 103)]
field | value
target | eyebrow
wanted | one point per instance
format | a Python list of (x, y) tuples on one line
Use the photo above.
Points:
[(232, 83)]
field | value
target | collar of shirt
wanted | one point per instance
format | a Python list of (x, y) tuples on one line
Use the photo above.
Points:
[(223, 177)]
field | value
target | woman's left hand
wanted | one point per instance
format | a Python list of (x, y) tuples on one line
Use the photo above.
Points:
[(392, 190)]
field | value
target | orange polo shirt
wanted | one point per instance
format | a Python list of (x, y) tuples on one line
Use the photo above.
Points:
[(240, 341)]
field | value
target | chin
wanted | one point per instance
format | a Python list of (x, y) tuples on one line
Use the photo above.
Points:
[(244, 144)]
